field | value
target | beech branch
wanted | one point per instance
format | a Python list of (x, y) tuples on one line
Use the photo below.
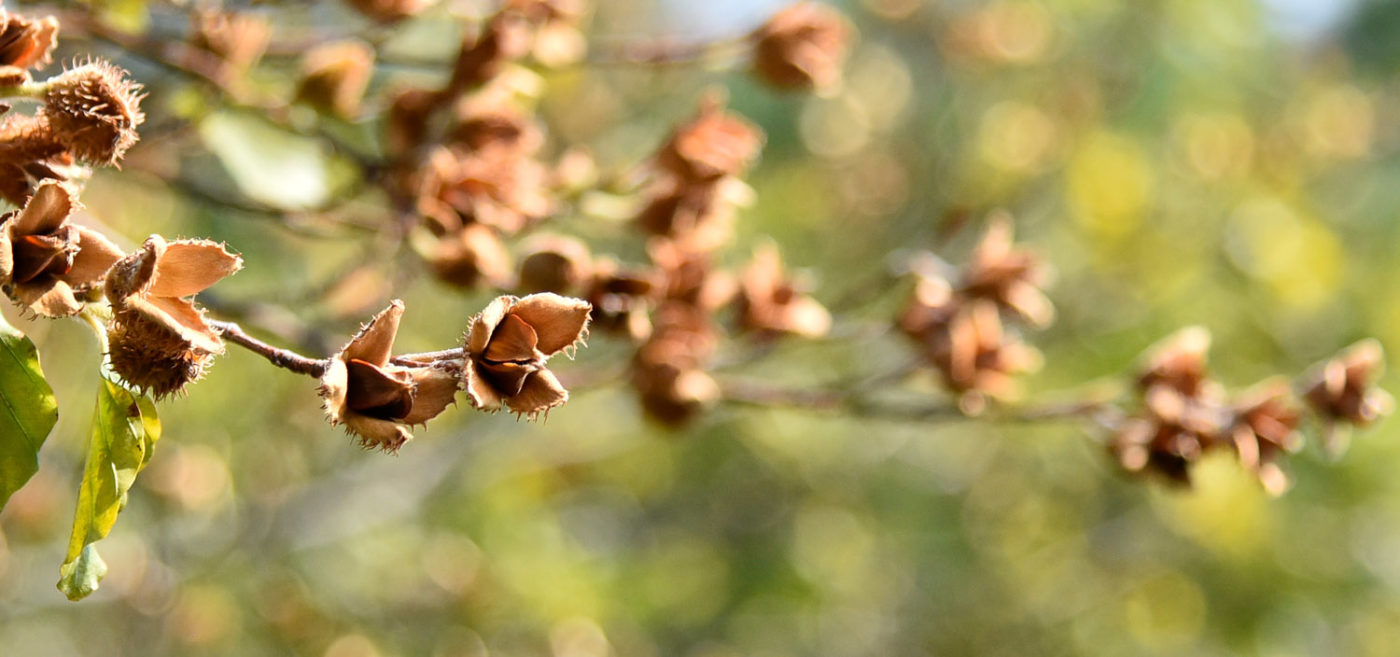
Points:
[(283, 358), (410, 360), (855, 402)]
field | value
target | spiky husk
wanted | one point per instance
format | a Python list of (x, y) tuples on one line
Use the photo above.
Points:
[(94, 109), (150, 357)]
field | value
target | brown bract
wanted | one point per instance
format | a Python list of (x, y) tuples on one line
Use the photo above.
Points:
[(373, 398), (700, 214), (46, 262), (1179, 363), (1265, 431), (1166, 445), (1342, 389), (802, 47), (505, 38), (159, 339), (711, 145), (496, 186), (621, 298), (769, 302), (692, 197), (1184, 412), (27, 42), (489, 119), (406, 122), (29, 153), (979, 357), (668, 370), (237, 39), (507, 347), (94, 111), (930, 307), (689, 277), (388, 11), (965, 340), (468, 256), (1011, 277), (17, 178), (334, 77)]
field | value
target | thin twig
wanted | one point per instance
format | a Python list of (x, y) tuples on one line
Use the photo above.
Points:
[(409, 360), (664, 52), (855, 402), (284, 358)]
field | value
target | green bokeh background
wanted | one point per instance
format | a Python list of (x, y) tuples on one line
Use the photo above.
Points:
[(1177, 161)]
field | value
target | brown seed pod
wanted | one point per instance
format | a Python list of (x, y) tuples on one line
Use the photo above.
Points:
[(94, 110), (159, 340)]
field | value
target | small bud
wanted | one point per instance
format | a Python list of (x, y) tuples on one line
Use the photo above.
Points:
[(575, 171), (334, 77), (27, 42), (94, 110), (508, 344), (802, 47), (159, 340)]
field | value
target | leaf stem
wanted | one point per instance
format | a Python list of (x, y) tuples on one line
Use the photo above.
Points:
[(34, 90), (95, 316)]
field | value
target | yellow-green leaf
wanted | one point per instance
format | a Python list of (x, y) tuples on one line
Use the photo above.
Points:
[(124, 432), (79, 578), (28, 410)]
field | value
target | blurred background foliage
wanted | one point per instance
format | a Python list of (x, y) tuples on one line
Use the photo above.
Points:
[(1229, 163)]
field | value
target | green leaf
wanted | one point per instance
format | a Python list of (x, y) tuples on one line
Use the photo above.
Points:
[(130, 16), (82, 576), (125, 429), (28, 410), (271, 165)]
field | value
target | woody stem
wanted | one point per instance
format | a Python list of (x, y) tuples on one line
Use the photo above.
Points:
[(855, 403), (429, 356), (665, 53), (283, 358)]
